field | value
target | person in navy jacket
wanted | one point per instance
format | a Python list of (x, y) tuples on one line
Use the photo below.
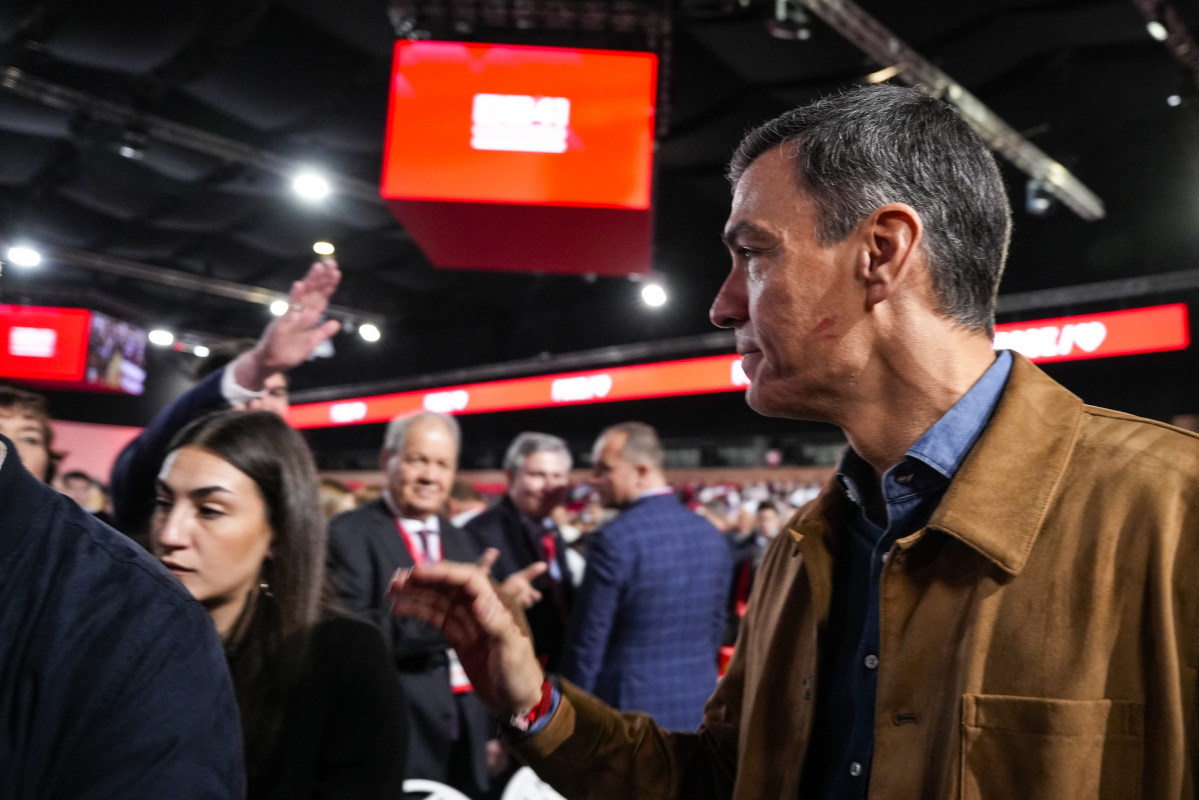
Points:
[(646, 626)]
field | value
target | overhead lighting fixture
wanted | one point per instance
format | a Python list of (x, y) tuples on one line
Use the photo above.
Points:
[(653, 295), (883, 75), (133, 144), (279, 307), (23, 256), (1157, 30), (369, 332), (160, 337), (310, 186), (201, 351), (1174, 101), (1037, 199), (790, 22), (323, 248)]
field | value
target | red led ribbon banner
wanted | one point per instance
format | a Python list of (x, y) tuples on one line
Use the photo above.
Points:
[(665, 379), (1141, 330), (1113, 333)]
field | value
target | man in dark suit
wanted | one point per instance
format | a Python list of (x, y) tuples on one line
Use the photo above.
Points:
[(646, 627), (402, 528), (520, 528)]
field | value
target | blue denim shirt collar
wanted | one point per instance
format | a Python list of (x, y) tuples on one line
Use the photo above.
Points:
[(935, 458)]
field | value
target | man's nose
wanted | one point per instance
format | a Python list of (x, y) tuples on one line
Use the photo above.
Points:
[(729, 308)]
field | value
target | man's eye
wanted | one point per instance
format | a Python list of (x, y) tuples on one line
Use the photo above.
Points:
[(162, 504), (32, 441)]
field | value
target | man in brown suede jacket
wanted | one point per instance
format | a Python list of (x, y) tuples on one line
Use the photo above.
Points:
[(998, 596)]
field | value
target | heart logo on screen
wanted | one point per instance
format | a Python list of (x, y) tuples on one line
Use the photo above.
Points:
[(1089, 335), (600, 385)]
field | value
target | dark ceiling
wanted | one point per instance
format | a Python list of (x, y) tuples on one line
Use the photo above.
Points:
[(307, 80)]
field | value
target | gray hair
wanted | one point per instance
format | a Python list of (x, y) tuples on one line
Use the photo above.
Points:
[(397, 429), (530, 442), (872, 145), (641, 445)]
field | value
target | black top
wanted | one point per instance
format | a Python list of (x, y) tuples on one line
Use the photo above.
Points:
[(112, 679), (346, 732)]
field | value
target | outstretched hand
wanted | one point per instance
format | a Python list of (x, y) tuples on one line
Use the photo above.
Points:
[(289, 340), (494, 647), (518, 586)]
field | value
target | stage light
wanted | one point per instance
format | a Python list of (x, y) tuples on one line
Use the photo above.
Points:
[(1157, 30), (883, 75), (369, 332), (22, 256), (279, 307), (653, 294), (323, 248), (133, 145), (160, 337), (310, 186), (1037, 199), (201, 351), (1174, 101)]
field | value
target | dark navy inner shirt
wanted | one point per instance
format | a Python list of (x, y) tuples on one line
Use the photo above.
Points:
[(838, 763)]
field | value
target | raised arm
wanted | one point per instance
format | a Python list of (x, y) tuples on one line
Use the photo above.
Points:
[(287, 342)]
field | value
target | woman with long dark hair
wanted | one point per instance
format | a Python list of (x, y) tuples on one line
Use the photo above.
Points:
[(238, 520)]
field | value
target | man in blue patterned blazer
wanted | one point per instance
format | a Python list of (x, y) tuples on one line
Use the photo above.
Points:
[(646, 627)]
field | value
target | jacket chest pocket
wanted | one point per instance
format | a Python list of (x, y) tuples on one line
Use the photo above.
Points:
[(1027, 748)]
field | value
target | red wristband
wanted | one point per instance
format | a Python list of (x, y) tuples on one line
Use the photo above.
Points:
[(523, 722)]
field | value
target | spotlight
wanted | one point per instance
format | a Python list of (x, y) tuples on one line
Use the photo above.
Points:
[(1174, 101), (653, 295), (1157, 30), (201, 351), (279, 307), (883, 75), (323, 248), (160, 337), (310, 186), (369, 332), (790, 22), (132, 144), (22, 256), (1037, 199)]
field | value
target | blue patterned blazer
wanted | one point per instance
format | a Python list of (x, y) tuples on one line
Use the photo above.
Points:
[(646, 626)]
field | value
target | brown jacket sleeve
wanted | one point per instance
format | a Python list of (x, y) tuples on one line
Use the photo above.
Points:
[(590, 750)]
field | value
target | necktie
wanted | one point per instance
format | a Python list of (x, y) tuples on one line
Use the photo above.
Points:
[(423, 533), (551, 552)]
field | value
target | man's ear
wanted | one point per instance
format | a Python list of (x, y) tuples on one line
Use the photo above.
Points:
[(384, 457), (890, 250)]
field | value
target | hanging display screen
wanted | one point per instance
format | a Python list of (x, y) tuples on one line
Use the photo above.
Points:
[(493, 123)]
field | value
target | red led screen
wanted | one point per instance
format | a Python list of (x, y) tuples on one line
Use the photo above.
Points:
[(665, 379), (1114, 333), (43, 344), (490, 123)]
